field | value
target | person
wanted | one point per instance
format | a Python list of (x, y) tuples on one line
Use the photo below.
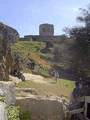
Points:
[(56, 75)]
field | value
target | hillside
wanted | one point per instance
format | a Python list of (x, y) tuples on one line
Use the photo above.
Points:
[(59, 55), (30, 49)]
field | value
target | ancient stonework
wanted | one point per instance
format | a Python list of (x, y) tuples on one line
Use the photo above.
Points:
[(46, 33), (46, 30), (42, 108), (7, 89)]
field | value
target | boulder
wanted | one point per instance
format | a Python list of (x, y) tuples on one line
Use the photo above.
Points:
[(8, 33), (7, 89)]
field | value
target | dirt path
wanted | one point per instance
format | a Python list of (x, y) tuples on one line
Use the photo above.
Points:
[(30, 77), (44, 86), (35, 78)]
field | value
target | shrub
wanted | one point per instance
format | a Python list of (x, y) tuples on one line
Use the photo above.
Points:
[(2, 98), (25, 115), (13, 113)]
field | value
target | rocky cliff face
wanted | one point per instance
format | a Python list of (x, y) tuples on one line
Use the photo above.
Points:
[(9, 34)]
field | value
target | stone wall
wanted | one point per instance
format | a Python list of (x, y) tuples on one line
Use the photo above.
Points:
[(42, 108), (42, 38), (7, 89)]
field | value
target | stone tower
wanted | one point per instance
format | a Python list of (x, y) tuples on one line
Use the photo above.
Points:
[(46, 30)]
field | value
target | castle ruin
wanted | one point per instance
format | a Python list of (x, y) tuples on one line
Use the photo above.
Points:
[(46, 33), (46, 30)]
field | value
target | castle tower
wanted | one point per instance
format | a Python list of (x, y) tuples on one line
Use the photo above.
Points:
[(46, 30)]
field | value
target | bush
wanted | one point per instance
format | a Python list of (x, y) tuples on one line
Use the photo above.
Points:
[(13, 113), (2, 98), (25, 116)]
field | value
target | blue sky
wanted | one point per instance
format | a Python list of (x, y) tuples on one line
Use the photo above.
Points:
[(26, 15)]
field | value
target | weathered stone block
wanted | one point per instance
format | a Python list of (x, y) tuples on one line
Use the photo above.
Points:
[(3, 114), (42, 108), (7, 89)]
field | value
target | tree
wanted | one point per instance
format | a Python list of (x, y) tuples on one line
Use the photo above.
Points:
[(81, 47), (85, 17)]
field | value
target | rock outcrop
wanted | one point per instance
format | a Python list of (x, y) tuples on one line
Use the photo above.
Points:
[(8, 36), (8, 33)]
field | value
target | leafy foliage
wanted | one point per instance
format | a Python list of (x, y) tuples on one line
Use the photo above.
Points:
[(13, 113), (25, 115), (2, 98), (81, 56), (85, 16)]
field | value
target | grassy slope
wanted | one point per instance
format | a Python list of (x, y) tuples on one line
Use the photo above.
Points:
[(25, 47), (62, 87), (33, 49)]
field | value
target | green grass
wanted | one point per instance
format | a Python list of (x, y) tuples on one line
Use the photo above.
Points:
[(25, 47), (62, 87), (44, 72)]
